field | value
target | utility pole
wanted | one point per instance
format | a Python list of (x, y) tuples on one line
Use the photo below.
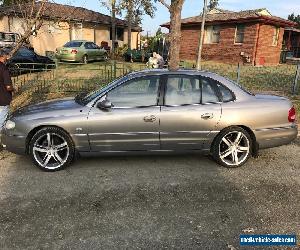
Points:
[(201, 35), (113, 28)]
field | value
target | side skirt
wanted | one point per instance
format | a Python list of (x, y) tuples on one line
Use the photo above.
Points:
[(135, 153)]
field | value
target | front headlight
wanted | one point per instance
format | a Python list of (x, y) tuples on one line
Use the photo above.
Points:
[(10, 125)]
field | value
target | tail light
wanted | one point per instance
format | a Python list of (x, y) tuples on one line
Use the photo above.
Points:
[(74, 51), (292, 115)]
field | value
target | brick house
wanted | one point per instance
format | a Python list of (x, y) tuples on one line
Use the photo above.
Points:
[(62, 23), (252, 36)]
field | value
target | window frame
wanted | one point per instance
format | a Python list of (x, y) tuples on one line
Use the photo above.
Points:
[(275, 37), (210, 34), (100, 98), (236, 33), (164, 88)]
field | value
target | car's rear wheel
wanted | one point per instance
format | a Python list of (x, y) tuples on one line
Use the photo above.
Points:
[(51, 149), (85, 59), (232, 147)]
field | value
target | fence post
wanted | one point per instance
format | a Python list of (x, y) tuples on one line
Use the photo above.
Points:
[(296, 80), (115, 69), (238, 75)]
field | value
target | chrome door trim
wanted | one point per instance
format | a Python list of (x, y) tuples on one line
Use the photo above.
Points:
[(128, 133)]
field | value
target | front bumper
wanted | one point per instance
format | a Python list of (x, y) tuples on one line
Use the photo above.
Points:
[(14, 143)]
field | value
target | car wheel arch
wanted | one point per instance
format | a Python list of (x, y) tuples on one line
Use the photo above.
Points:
[(255, 145), (38, 128)]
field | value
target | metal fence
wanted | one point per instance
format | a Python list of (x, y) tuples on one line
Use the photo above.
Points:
[(72, 78)]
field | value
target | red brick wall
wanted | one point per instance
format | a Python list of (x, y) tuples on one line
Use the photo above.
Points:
[(225, 50), (266, 52)]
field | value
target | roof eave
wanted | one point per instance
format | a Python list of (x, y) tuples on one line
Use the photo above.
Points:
[(264, 19)]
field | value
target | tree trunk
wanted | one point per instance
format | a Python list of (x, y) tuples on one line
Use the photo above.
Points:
[(175, 33), (129, 19), (113, 28)]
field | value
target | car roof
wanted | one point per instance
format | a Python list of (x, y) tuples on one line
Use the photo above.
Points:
[(167, 71), (82, 41)]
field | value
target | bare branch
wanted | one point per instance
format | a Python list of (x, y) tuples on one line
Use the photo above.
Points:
[(164, 4)]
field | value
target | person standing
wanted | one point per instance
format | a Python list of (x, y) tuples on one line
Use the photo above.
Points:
[(6, 89)]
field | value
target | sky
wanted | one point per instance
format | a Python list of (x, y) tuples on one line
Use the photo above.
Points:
[(281, 8)]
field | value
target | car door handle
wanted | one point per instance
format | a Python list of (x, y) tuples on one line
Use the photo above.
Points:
[(150, 118), (207, 116)]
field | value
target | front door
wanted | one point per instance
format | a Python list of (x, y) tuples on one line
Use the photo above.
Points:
[(132, 124), (190, 114)]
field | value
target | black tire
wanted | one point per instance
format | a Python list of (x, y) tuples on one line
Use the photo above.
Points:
[(219, 147), (105, 57), (57, 136), (84, 59)]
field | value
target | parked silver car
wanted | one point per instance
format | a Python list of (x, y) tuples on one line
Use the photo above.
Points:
[(153, 111)]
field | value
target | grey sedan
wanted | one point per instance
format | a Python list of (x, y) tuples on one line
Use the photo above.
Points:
[(153, 112)]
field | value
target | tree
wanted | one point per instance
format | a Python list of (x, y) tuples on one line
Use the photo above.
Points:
[(213, 4), (114, 6), (33, 15), (175, 9), (12, 2), (295, 18), (135, 9)]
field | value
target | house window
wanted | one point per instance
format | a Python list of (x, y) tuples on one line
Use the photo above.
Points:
[(239, 34), (119, 34), (212, 34), (275, 36)]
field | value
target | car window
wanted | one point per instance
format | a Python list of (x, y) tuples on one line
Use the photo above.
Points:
[(135, 93), (73, 44), (94, 46), (182, 90), (89, 46), (226, 94), (209, 94), (25, 52)]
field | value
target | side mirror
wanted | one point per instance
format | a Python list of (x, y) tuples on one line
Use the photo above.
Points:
[(104, 105)]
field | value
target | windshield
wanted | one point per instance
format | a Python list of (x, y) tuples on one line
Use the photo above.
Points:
[(73, 44), (85, 97)]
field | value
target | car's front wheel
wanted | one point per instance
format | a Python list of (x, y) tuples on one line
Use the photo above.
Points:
[(51, 149), (232, 147), (85, 59)]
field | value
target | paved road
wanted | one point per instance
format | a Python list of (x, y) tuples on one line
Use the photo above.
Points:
[(148, 202)]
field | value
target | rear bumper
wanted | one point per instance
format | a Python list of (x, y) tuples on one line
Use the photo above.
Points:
[(69, 58), (274, 137)]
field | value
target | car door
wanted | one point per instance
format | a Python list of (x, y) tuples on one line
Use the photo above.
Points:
[(97, 51), (89, 51), (190, 113), (132, 124)]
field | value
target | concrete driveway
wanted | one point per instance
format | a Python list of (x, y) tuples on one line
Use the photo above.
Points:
[(148, 202)]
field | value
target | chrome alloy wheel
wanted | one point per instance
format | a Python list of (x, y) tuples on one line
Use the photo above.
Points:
[(234, 148), (51, 151)]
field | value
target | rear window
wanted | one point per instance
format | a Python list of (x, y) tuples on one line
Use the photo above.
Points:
[(227, 95), (73, 44)]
